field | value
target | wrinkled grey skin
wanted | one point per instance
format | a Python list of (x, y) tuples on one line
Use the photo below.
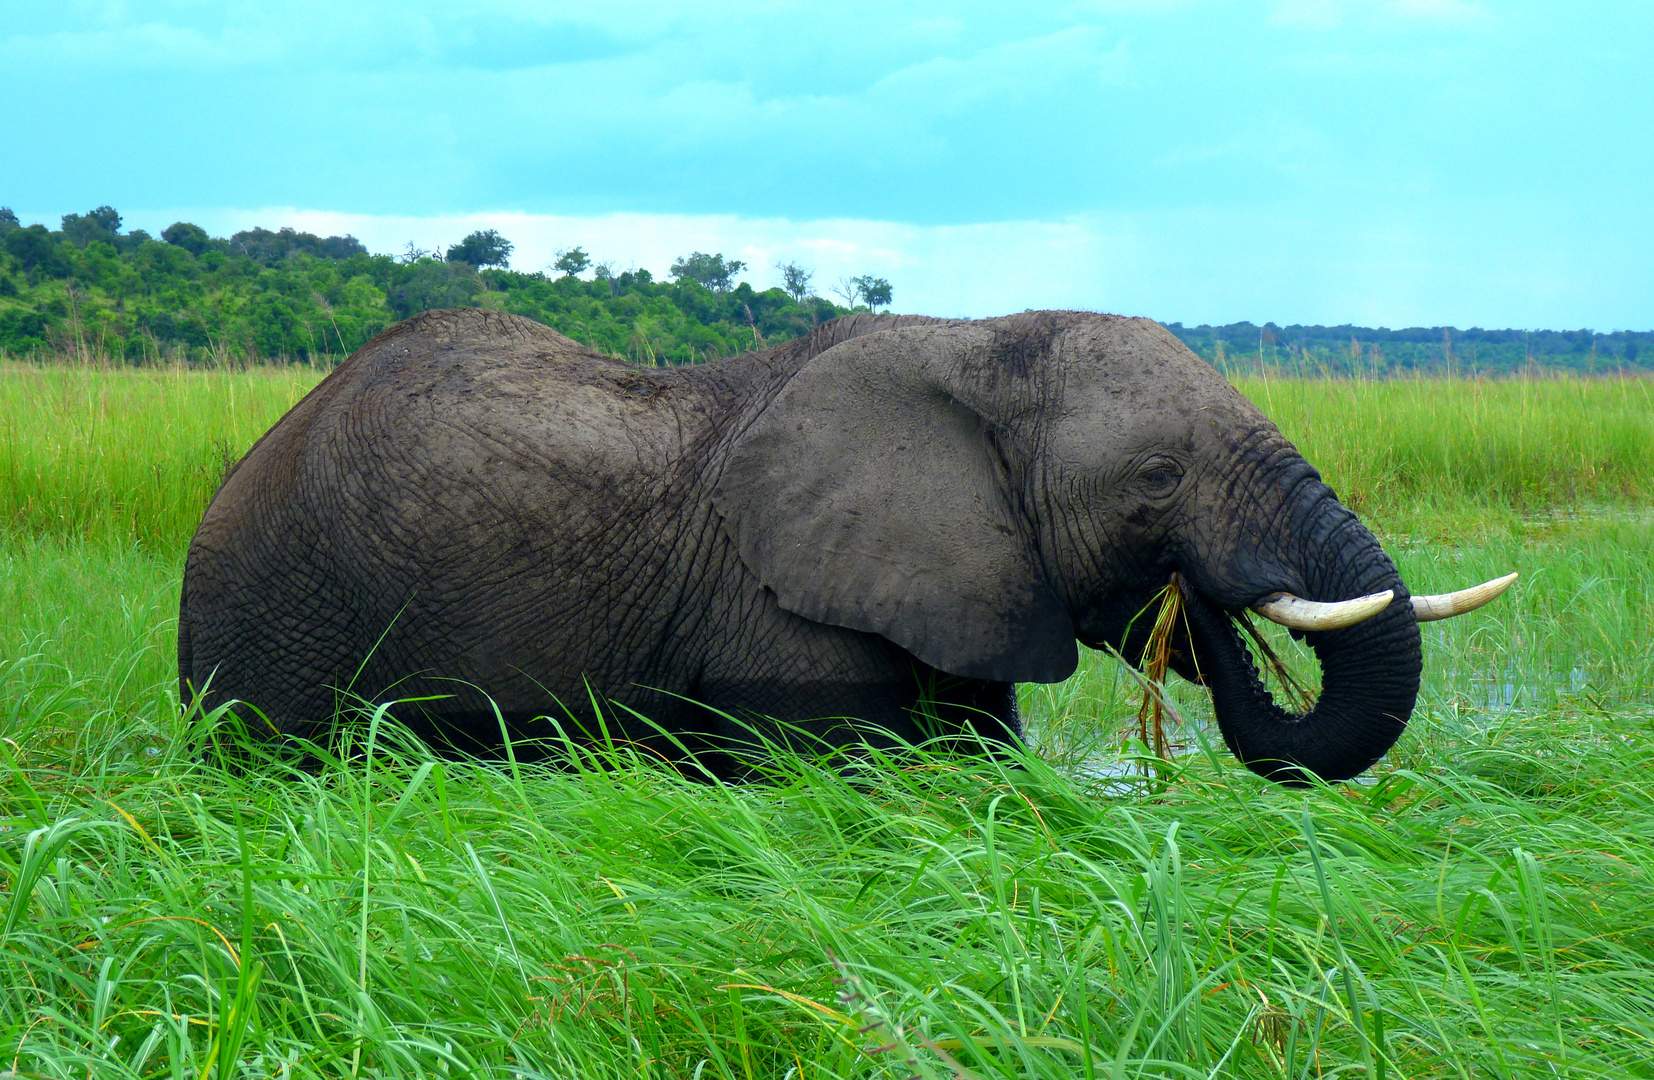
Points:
[(821, 533)]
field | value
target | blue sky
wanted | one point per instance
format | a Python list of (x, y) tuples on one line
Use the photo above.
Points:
[(1394, 162)]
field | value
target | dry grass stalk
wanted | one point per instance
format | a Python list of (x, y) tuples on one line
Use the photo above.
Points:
[(1301, 698), (1151, 714), (889, 1036), (1156, 658)]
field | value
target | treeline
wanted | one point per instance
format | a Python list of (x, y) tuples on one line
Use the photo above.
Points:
[(91, 291), (1359, 351)]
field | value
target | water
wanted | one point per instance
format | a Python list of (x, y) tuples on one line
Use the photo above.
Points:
[(1499, 691), (1613, 512), (1513, 688)]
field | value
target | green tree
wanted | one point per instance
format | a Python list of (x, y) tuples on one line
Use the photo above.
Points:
[(276, 327), (795, 279), (103, 224), (192, 238), (866, 289), (34, 249), (270, 248), (572, 262), (873, 291), (21, 329), (711, 271), (285, 294), (605, 272), (427, 285), (485, 247), (8, 220)]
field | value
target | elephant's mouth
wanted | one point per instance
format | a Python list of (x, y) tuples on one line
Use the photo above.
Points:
[(1369, 653), (1370, 677)]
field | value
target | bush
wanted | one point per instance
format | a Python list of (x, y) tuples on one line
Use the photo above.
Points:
[(103, 224), (34, 249), (192, 238), (484, 247), (427, 285)]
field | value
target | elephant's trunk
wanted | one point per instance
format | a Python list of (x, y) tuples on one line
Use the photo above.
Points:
[(1369, 676)]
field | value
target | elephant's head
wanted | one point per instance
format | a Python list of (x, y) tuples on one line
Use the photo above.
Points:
[(985, 493)]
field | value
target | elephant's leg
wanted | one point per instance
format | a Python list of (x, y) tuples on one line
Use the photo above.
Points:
[(283, 684), (968, 710), (810, 687), (545, 714), (813, 686)]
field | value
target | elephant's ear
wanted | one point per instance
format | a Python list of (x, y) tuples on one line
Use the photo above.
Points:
[(868, 495)]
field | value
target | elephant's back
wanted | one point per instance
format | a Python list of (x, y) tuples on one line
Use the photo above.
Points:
[(460, 457), (437, 398)]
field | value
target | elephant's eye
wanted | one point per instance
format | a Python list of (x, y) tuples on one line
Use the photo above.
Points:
[(1161, 476)]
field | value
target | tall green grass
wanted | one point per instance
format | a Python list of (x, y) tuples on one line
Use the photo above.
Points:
[(134, 454), (1478, 906), (398, 916), (1529, 443)]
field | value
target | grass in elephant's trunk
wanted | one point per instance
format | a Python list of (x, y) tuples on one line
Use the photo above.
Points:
[(1302, 699), (1156, 660)]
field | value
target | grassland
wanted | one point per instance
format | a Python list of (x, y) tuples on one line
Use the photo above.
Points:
[(1397, 447), (1482, 907), (132, 454)]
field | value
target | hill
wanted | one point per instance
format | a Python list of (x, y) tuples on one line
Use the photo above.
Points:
[(89, 290), (1246, 348)]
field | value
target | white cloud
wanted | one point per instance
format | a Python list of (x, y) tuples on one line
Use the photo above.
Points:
[(1281, 144), (1145, 7), (1441, 10), (1332, 14), (299, 35), (940, 29), (1008, 73), (1309, 14), (135, 46)]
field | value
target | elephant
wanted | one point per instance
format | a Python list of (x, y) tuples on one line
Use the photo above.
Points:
[(865, 536)]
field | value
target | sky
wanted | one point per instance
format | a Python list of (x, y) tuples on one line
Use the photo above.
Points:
[(1377, 162)]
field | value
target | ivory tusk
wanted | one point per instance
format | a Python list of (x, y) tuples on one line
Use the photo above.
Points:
[(1447, 605), (1300, 614)]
